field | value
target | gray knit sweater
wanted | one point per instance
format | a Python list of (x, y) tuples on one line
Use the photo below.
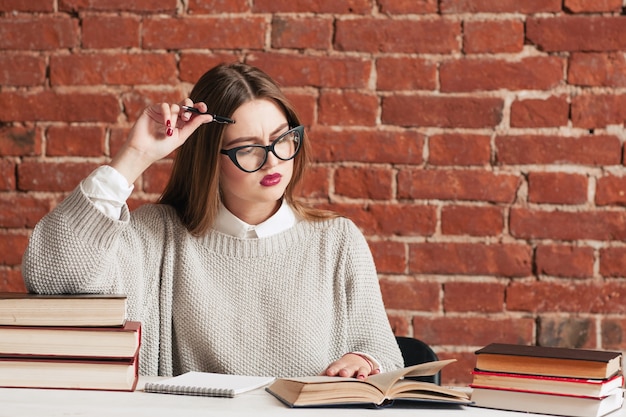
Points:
[(284, 305)]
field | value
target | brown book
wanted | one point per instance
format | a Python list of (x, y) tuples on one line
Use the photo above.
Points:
[(25, 309), (102, 342), (377, 390), (84, 374), (548, 361)]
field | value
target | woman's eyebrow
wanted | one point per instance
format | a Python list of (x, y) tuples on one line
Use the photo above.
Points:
[(243, 139)]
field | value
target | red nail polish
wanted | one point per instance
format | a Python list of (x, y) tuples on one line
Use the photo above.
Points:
[(169, 131), (168, 124)]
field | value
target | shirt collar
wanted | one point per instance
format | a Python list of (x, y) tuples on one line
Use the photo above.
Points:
[(229, 224)]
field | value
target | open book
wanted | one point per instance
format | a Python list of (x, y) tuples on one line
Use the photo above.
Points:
[(377, 389)]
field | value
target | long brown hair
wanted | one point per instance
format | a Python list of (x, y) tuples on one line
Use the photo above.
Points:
[(193, 187)]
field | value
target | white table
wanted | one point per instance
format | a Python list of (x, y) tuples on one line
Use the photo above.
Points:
[(16, 402)]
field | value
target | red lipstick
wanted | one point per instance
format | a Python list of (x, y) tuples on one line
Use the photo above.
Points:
[(271, 179)]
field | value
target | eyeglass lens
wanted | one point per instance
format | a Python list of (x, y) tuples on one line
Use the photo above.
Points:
[(252, 158)]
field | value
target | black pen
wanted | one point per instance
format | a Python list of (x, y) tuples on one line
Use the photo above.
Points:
[(216, 118)]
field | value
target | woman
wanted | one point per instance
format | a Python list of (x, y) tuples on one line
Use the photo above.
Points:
[(229, 272)]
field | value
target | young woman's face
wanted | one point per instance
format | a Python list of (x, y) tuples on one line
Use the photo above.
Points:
[(258, 122)]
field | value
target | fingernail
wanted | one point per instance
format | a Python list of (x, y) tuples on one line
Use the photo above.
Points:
[(168, 123), (169, 131)]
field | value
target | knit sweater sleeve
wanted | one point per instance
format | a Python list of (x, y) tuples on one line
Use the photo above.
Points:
[(368, 326)]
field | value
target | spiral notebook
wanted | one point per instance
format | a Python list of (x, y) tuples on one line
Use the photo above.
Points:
[(208, 384)]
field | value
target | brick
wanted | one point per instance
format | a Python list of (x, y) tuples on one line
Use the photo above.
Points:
[(302, 33), (577, 33), (347, 108), (549, 112), (565, 261), (193, 65), (472, 220), (53, 32), (390, 257), (12, 246), (448, 184), (393, 147), (52, 176), (75, 141), (509, 260), (155, 178), (613, 333), (597, 150), (402, 73), (410, 294), (459, 373), (493, 36), (8, 180), (593, 111), (569, 226), (403, 220), (22, 210), (568, 332), (118, 69), (459, 149), (117, 137), (500, 6), (597, 69), (557, 188), (534, 73), (110, 32), (319, 6), (218, 6), (479, 297), (473, 331), (135, 102), (592, 6), (567, 296), (610, 190), (399, 324), (20, 141), (119, 5), (405, 36), (225, 32), (442, 111), (613, 262), (20, 70), (59, 106), (364, 182), (30, 6), (305, 104), (316, 182), (11, 281), (327, 72), (408, 6)]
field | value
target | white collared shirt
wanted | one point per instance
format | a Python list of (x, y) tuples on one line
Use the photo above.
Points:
[(227, 223), (109, 190)]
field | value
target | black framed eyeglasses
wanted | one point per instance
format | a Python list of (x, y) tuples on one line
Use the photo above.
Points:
[(251, 158)]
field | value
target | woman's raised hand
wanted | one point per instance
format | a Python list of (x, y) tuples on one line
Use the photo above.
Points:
[(159, 130)]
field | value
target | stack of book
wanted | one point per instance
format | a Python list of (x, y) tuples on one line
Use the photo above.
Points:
[(548, 380), (68, 342)]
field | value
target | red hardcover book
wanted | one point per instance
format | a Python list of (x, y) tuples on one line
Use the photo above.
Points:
[(102, 342), (547, 384)]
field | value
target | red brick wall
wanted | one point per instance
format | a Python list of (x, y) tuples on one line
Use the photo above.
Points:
[(477, 143)]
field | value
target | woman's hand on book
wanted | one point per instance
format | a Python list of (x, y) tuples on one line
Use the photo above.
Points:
[(352, 365)]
